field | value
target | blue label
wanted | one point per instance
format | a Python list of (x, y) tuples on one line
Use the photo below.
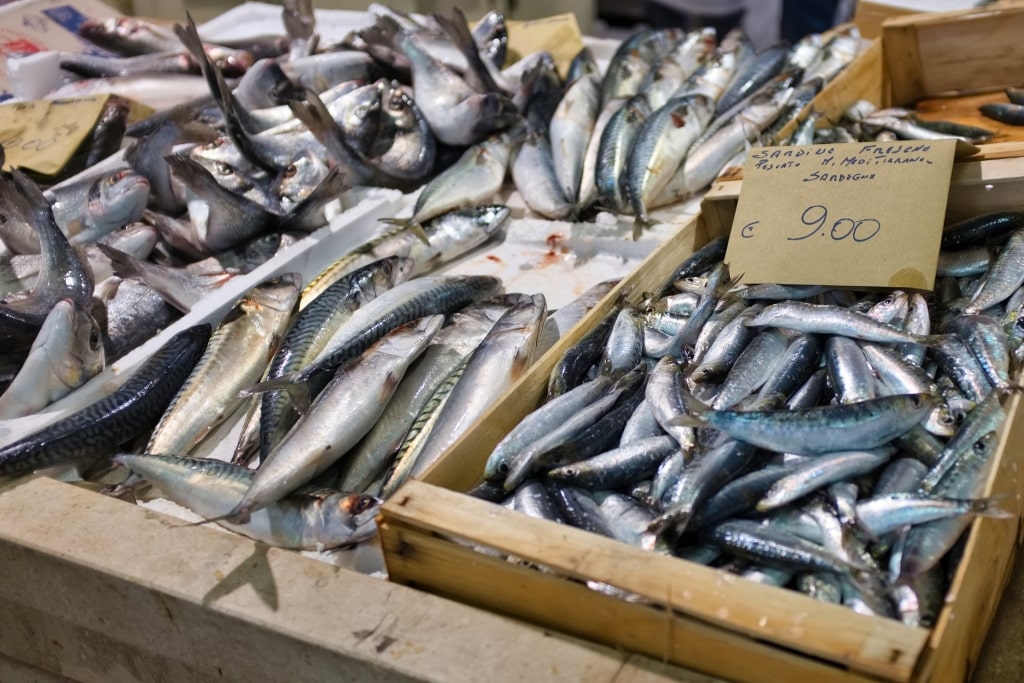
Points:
[(67, 16)]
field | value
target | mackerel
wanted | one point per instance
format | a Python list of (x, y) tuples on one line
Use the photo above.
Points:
[(305, 520), (235, 357), (341, 414), (99, 428)]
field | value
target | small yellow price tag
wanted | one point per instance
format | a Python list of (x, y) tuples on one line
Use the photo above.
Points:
[(42, 135), (854, 214)]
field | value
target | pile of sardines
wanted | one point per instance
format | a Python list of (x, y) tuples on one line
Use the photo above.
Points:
[(341, 390), (835, 442)]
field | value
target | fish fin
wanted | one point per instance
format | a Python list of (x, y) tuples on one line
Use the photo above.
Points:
[(410, 225), (295, 387), (233, 114), (639, 223), (672, 522), (124, 265), (457, 28)]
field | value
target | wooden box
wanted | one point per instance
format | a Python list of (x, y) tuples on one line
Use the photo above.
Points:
[(439, 539), (947, 64)]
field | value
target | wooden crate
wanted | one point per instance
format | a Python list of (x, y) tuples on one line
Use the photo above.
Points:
[(439, 539), (947, 64)]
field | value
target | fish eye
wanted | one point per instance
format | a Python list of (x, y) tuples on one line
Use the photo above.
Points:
[(362, 504), (291, 171), (947, 418), (222, 168), (503, 467), (361, 111), (94, 340), (980, 446)]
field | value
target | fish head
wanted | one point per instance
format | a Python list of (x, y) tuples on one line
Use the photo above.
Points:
[(299, 178), (397, 269), (493, 218), (73, 343), (260, 250), (941, 421), (119, 197), (347, 518), (893, 307), (226, 174)]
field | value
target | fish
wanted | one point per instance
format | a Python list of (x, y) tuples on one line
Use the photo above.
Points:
[(62, 274), (67, 352), (98, 429), (661, 146), (504, 354), (310, 332), (570, 130), (235, 357), (319, 438), (309, 519), (458, 115)]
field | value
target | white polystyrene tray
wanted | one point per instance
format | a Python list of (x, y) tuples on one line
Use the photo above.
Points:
[(307, 257)]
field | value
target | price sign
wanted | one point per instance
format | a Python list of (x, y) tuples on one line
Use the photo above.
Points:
[(42, 135), (856, 214)]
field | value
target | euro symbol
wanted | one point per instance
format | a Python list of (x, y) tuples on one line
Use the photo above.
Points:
[(748, 229)]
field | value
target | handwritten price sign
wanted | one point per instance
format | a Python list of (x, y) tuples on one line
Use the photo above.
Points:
[(43, 135), (858, 214)]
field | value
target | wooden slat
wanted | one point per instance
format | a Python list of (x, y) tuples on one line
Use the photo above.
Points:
[(983, 573), (930, 55), (462, 466), (878, 646), (455, 571)]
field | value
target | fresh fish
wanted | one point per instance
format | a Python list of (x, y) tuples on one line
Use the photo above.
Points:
[(179, 287), (533, 172), (319, 438), (500, 359), (448, 236), (661, 147), (124, 414), (1004, 277), (134, 313), (818, 319), (617, 141), (311, 331), (235, 358), (633, 59), (672, 69), (819, 472), (62, 274), (67, 353), (811, 432), (458, 115), (473, 180), (570, 130), (446, 354), (305, 520), (407, 301)]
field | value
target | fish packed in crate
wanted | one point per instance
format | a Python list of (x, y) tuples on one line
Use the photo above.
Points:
[(833, 441)]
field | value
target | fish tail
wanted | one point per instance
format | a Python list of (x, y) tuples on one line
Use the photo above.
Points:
[(639, 223), (987, 507), (696, 409)]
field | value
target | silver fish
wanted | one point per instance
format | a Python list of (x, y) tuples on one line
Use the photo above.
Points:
[(305, 520)]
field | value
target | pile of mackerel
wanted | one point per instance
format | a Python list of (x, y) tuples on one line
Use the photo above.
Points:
[(833, 441)]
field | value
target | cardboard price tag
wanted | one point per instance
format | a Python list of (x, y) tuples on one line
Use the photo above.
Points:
[(855, 214), (43, 135), (559, 34)]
